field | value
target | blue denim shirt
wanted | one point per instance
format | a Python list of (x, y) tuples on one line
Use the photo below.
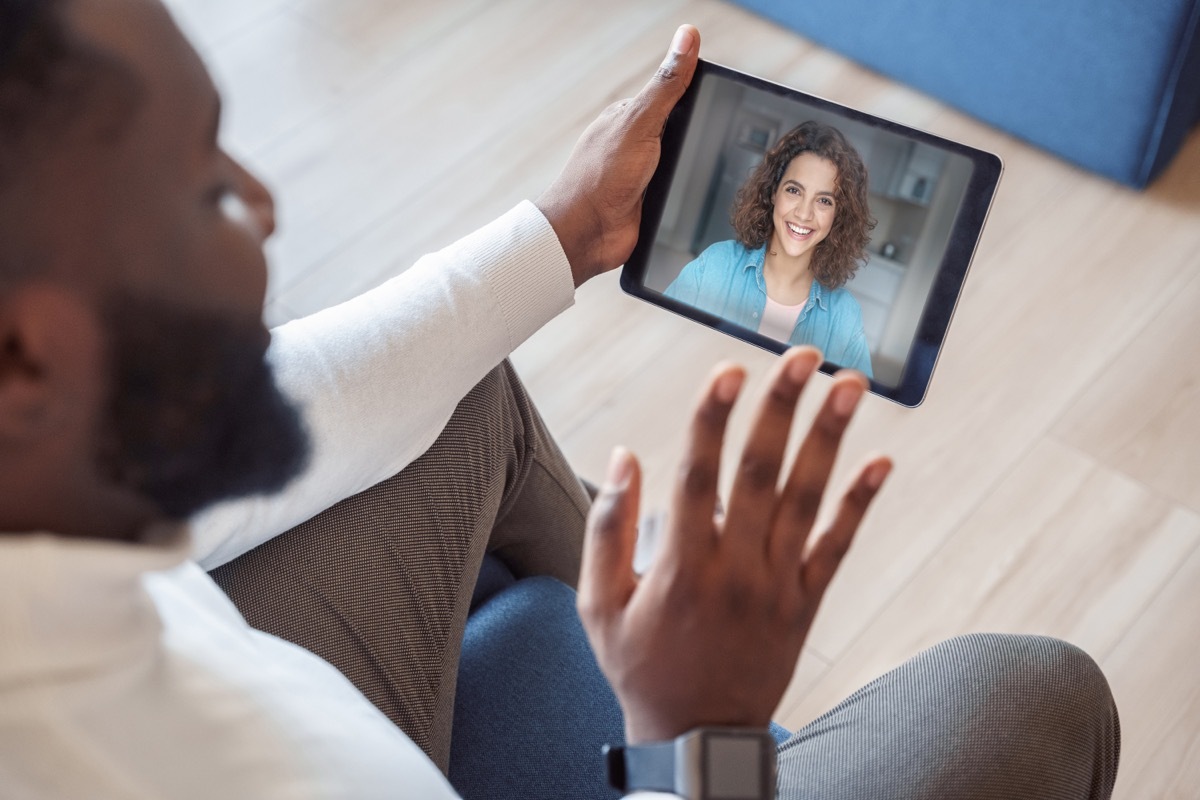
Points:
[(727, 280)]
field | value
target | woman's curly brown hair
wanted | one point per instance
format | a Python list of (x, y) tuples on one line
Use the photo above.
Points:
[(838, 257)]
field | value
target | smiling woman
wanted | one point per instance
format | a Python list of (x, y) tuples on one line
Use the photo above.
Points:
[(802, 225)]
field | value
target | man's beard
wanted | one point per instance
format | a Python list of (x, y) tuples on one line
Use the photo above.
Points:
[(195, 416)]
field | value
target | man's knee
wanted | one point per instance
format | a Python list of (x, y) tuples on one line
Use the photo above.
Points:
[(1040, 675), (1038, 660)]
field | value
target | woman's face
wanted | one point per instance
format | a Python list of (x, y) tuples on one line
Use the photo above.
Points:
[(804, 205)]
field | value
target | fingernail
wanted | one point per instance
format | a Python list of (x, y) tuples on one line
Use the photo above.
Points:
[(877, 473), (844, 400), (620, 468), (799, 369), (728, 385), (683, 41)]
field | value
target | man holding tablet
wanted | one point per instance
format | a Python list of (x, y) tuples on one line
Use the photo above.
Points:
[(349, 470)]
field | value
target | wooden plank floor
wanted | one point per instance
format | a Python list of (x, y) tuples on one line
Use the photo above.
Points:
[(1050, 483)]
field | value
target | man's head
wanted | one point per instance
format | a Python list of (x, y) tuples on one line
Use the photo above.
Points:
[(132, 376)]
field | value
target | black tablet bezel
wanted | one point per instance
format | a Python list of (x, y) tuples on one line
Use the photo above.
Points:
[(947, 286)]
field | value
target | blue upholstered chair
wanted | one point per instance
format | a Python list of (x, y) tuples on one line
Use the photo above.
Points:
[(532, 709), (1110, 85)]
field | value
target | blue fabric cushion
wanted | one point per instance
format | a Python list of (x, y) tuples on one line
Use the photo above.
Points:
[(494, 577), (1111, 85), (533, 708)]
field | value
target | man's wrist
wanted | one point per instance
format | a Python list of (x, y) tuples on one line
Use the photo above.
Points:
[(573, 236), (647, 729), (702, 764)]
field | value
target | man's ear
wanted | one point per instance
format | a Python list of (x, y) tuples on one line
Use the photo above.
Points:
[(51, 362)]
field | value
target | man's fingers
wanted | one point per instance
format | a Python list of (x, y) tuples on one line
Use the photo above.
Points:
[(754, 489), (827, 552), (691, 528), (659, 96), (606, 577), (810, 473)]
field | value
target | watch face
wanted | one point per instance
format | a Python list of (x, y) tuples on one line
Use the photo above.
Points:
[(733, 768)]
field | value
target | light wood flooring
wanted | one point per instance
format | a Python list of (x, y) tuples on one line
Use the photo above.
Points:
[(1049, 484)]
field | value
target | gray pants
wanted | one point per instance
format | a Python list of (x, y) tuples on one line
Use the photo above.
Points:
[(380, 585)]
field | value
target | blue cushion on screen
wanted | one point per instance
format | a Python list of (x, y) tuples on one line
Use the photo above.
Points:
[(1110, 85)]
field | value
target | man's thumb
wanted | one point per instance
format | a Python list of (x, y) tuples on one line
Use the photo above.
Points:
[(607, 578), (673, 77)]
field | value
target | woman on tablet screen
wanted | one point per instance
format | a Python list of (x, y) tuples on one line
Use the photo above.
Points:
[(802, 224)]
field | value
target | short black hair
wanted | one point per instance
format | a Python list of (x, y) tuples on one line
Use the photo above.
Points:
[(34, 49), (51, 80), (15, 17), (48, 75)]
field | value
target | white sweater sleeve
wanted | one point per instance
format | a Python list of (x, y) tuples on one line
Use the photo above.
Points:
[(378, 377)]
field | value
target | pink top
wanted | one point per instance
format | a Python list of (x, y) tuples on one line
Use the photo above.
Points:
[(778, 320)]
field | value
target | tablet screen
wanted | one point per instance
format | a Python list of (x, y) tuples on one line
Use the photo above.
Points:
[(783, 219)]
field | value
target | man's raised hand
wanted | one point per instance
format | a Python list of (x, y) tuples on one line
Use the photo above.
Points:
[(711, 634)]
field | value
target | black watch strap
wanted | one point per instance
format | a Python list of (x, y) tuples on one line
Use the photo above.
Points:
[(710, 762), (653, 764)]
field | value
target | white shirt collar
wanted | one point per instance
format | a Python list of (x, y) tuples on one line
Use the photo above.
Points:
[(68, 603)]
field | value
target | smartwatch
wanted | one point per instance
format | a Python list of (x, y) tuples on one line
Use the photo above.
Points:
[(702, 764)]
